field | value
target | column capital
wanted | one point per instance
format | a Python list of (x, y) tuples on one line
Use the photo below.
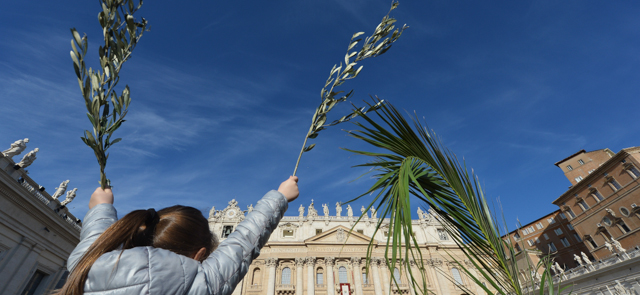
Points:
[(271, 262), (355, 261), (300, 261), (329, 260), (310, 261)]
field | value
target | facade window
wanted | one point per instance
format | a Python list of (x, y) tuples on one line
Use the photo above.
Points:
[(318, 231), (596, 195), (565, 242), (531, 242), (583, 205), (624, 211), (516, 246), (570, 212), (342, 275), (442, 235), (614, 184), (287, 233), (580, 162), (552, 247), (537, 241), (226, 231), (569, 167), (360, 231), (516, 236), (591, 242), (456, 276), (635, 173), (34, 282), (551, 220), (623, 227), (546, 236), (578, 179), (606, 220), (591, 171), (320, 276), (256, 279), (570, 226), (286, 276), (562, 215), (577, 237), (365, 278), (558, 231), (539, 225), (396, 275)]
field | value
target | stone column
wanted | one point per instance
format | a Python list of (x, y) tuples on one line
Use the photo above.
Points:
[(271, 285), (436, 266), (386, 282), (375, 261), (331, 285), (20, 259), (411, 266), (299, 266), (311, 280), (357, 274)]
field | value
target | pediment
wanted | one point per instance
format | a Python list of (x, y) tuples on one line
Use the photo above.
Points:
[(340, 235)]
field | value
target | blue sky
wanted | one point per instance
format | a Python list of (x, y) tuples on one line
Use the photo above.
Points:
[(223, 93)]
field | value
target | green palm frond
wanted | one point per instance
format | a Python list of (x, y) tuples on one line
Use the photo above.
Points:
[(409, 161)]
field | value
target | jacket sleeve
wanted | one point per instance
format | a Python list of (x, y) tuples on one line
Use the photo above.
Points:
[(97, 220), (228, 264)]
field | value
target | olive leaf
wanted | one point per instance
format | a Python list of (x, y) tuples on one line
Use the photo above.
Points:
[(121, 32), (378, 43)]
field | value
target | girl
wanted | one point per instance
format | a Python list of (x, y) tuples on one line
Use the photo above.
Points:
[(169, 251)]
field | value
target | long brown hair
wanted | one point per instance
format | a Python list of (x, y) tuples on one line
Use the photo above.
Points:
[(180, 229)]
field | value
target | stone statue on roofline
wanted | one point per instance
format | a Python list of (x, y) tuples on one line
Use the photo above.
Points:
[(374, 214), (212, 212), (608, 246), (16, 148), (249, 208), (301, 210), (60, 190), (70, 196), (28, 159), (349, 211), (338, 209), (585, 258), (618, 246), (325, 210), (364, 212), (578, 260)]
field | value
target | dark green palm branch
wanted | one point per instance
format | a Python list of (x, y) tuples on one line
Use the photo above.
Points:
[(410, 161)]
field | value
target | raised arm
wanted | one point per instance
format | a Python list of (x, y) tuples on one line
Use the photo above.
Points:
[(101, 215), (228, 264)]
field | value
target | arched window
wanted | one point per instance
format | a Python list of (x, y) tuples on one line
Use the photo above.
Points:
[(456, 276), (342, 275), (320, 276), (286, 276), (256, 279)]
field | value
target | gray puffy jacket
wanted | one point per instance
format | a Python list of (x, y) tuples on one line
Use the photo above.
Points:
[(147, 270)]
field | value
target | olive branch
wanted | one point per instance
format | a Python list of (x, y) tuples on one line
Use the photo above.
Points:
[(376, 44), (121, 33)]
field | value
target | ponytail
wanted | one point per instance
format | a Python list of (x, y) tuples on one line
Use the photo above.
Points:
[(180, 229)]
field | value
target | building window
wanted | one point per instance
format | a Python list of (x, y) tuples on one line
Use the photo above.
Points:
[(34, 282), (516, 236), (537, 240), (318, 231), (287, 233), (577, 237), (517, 247), (257, 277), (562, 215), (456, 276), (360, 231), (546, 237), (565, 242), (539, 225), (62, 281), (635, 173), (531, 242), (569, 167), (226, 231), (320, 276), (596, 195), (286, 276), (570, 212), (342, 275), (583, 205), (614, 184), (570, 226), (623, 227), (551, 220), (365, 278), (552, 247), (580, 162), (624, 211), (396, 275), (558, 231), (578, 179), (442, 235), (591, 242)]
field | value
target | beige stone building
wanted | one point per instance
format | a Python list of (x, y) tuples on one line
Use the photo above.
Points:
[(36, 234), (314, 254)]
